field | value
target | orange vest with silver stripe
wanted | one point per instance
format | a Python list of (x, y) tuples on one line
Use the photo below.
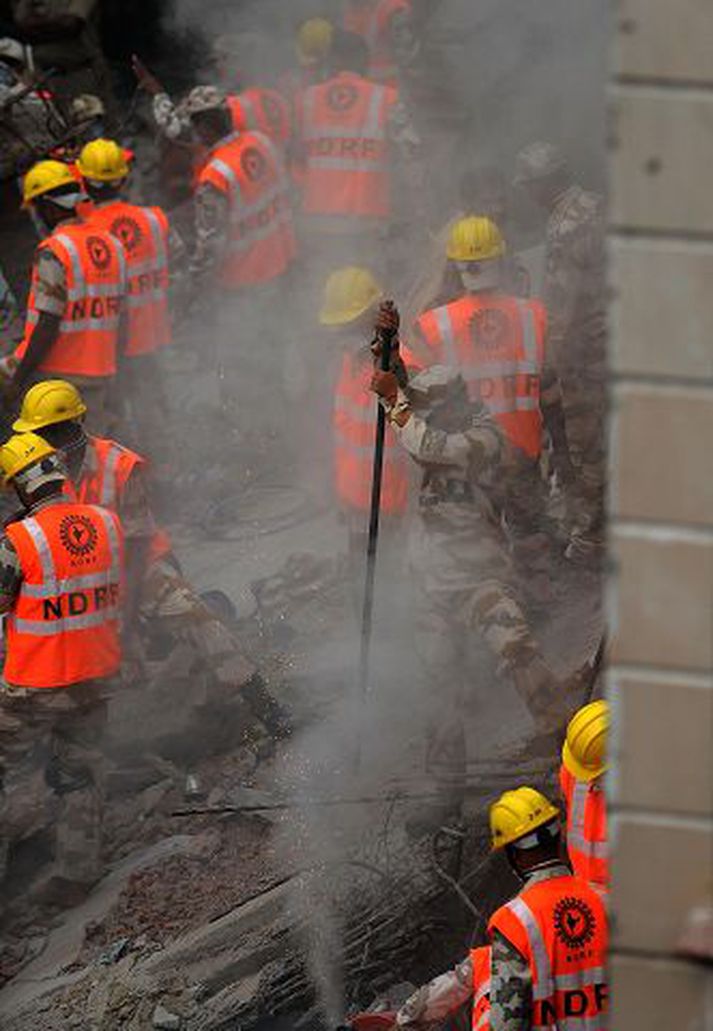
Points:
[(64, 626), (343, 125), (560, 927), (371, 22), (354, 428), (104, 485), (96, 284), (261, 110), (587, 842), (498, 345), (480, 961), (143, 233), (248, 169)]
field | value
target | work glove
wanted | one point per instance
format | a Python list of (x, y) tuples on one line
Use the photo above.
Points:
[(386, 386), (387, 320)]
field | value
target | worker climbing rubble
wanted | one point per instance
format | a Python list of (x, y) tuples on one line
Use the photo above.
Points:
[(159, 600), (499, 343), (459, 555), (61, 572), (74, 325), (575, 299)]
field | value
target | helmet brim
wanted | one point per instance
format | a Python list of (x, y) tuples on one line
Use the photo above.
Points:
[(584, 773)]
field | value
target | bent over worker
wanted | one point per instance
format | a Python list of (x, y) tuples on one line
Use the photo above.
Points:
[(459, 552), (581, 782), (148, 245), (77, 293), (60, 584), (549, 943), (158, 595)]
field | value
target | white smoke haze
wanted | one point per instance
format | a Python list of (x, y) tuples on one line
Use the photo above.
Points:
[(494, 75)]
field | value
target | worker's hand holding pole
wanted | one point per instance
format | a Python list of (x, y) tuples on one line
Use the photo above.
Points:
[(386, 328)]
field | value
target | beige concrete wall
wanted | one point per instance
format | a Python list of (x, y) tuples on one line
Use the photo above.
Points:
[(661, 505)]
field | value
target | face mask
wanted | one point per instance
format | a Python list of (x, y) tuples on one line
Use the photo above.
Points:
[(479, 275)]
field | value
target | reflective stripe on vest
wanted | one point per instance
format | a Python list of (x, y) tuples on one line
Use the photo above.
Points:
[(261, 241), (52, 586), (508, 387), (109, 494), (586, 829), (88, 327), (346, 161), (561, 921)]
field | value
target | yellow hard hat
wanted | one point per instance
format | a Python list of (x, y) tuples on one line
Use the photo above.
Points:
[(21, 451), (518, 813), (44, 177), (585, 747), (348, 293), (103, 160), (49, 402), (314, 39), (475, 238)]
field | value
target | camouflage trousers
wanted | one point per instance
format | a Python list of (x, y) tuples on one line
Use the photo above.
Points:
[(63, 729), (585, 408), (531, 530), (464, 578)]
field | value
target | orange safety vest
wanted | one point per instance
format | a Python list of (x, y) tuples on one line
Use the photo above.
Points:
[(371, 21), (261, 240), (261, 110), (64, 626), (480, 961), (143, 233), (497, 342), (95, 268), (343, 125), (354, 419), (587, 842), (560, 927), (113, 465)]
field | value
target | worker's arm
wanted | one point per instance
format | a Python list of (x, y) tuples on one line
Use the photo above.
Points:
[(50, 292), (510, 987), (211, 236), (434, 1001), (477, 449), (402, 37), (553, 416), (10, 574), (139, 527)]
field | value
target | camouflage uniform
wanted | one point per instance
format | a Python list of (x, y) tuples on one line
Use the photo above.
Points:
[(510, 984), (60, 728), (575, 301), (460, 562)]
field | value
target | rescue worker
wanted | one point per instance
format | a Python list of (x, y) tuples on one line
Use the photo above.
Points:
[(549, 943), (352, 137), (244, 246), (459, 552), (104, 472), (60, 584), (73, 326), (313, 41), (149, 247), (581, 782), (351, 309), (387, 28), (445, 994), (574, 294), (499, 343)]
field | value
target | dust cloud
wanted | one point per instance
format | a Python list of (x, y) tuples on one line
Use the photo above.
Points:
[(491, 76)]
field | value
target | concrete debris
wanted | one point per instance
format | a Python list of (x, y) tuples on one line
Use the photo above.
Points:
[(163, 1018)]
